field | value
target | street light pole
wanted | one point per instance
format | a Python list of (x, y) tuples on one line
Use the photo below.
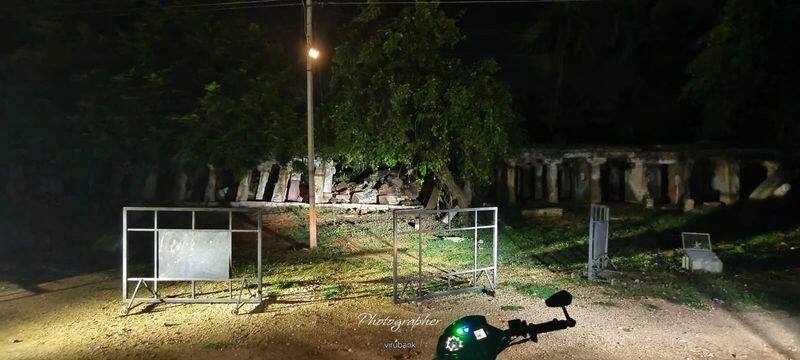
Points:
[(312, 201)]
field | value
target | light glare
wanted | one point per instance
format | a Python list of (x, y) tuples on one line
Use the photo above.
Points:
[(313, 53)]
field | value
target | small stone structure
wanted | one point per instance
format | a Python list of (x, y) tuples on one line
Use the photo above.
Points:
[(681, 177)]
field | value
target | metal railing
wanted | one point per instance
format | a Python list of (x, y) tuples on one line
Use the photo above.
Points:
[(156, 231), (449, 276)]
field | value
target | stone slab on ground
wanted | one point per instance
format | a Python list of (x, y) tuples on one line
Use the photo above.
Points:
[(548, 212), (702, 260)]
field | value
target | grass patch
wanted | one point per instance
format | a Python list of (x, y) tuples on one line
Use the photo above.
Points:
[(333, 291), (539, 291), (283, 284), (511, 308)]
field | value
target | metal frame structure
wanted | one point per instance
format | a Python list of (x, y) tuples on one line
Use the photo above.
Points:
[(598, 246), (707, 237), (155, 279), (449, 276)]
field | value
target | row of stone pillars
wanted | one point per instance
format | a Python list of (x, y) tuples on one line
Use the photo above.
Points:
[(541, 180), (287, 186), (634, 180)]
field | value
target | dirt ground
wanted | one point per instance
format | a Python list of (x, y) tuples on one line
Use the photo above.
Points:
[(79, 318)]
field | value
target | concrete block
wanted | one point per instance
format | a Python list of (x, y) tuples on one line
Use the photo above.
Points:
[(702, 260), (549, 212)]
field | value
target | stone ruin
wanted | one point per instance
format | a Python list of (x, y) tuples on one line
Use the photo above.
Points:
[(281, 183), (664, 177)]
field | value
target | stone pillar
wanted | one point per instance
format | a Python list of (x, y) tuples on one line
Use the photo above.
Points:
[(726, 180), (580, 181), (538, 181), (282, 184), (243, 191), (330, 170), (526, 185), (552, 181), (678, 175), (595, 184), (264, 170), (511, 182), (179, 190), (319, 180), (635, 189), (294, 187), (150, 184), (211, 186), (652, 183)]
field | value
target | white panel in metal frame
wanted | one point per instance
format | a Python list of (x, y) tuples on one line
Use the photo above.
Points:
[(194, 254), (420, 230), (205, 247), (598, 239)]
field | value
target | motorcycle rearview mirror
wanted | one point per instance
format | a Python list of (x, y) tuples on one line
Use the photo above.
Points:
[(559, 299)]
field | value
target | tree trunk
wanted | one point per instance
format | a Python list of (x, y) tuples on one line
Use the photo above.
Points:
[(433, 201), (446, 179)]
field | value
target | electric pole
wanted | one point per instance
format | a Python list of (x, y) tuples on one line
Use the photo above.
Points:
[(312, 201)]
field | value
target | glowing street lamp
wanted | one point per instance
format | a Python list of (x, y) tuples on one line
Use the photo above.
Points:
[(313, 53)]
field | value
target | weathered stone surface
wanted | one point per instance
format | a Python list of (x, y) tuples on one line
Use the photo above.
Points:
[(581, 174), (150, 184), (652, 179), (294, 188), (511, 184), (782, 190), (282, 184), (211, 185), (634, 183), (330, 170), (243, 190), (264, 171), (179, 189), (595, 186), (389, 199), (543, 212), (676, 187), (702, 260), (366, 196), (726, 180), (341, 198), (319, 181), (552, 182), (688, 205)]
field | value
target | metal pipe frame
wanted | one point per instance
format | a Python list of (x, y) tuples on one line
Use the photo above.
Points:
[(420, 278), (597, 214), (132, 301)]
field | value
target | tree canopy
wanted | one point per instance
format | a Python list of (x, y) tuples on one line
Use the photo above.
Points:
[(158, 87), (399, 97)]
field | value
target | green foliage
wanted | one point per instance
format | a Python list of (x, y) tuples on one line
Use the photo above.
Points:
[(398, 98), (535, 290), (122, 91)]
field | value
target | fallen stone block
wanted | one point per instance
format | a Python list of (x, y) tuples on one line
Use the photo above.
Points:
[(549, 212)]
